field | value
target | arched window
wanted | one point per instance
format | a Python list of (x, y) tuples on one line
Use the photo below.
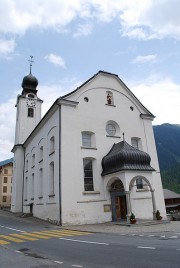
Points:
[(52, 145), (51, 179), (40, 183), (30, 112), (88, 174)]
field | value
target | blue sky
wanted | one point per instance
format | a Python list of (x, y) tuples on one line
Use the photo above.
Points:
[(71, 40)]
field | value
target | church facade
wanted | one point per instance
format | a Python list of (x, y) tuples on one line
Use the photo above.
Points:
[(91, 159)]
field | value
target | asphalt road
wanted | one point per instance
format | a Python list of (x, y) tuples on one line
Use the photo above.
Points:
[(26, 243)]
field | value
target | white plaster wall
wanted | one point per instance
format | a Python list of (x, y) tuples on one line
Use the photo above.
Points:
[(92, 116), (47, 207)]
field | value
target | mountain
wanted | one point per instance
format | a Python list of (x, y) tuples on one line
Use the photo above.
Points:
[(167, 138)]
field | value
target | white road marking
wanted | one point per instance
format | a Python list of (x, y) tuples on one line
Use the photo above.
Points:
[(162, 236), (141, 235), (146, 247), (18, 251), (59, 262), (12, 229), (75, 265), (132, 234), (123, 234), (151, 235), (174, 236), (83, 241)]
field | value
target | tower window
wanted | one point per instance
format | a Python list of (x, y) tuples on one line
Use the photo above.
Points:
[(30, 112), (31, 96)]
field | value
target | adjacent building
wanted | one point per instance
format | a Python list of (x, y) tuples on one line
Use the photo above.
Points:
[(6, 168), (91, 159)]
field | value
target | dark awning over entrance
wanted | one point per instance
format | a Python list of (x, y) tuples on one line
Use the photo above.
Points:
[(123, 156)]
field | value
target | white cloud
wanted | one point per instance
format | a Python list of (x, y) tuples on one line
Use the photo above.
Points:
[(161, 97), (6, 47), (145, 59), (145, 19), (83, 30), (56, 60)]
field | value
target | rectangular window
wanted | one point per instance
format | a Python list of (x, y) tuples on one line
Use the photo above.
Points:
[(32, 186), (26, 189), (41, 153), (52, 145), (4, 189), (88, 175), (51, 178), (4, 198), (139, 183), (5, 179), (33, 160), (40, 182), (30, 112), (134, 143), (5, 171), (86, 139), (26, 165)]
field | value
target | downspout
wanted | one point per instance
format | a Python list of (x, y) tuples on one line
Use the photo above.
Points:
[(60, 206)]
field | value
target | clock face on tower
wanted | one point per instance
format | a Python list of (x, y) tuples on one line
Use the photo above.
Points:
[(31, 103)]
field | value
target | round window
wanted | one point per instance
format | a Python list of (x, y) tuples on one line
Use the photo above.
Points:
[(110, 129)]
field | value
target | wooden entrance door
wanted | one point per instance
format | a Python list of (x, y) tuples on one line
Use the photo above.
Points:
[(120, 203)]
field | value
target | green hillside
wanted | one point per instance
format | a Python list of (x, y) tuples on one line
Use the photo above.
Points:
[(167, 138)]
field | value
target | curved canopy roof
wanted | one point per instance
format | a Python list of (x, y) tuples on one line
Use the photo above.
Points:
[(123, 156)]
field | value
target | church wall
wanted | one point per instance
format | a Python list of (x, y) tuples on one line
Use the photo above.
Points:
[(45, 203), (80, 206)]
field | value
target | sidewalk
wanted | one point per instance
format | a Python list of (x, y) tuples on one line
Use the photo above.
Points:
[(110, 227)]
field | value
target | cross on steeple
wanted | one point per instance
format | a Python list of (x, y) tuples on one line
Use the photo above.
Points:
[(31, 61)]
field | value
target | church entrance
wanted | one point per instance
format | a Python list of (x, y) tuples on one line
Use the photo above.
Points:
[(118, 201)]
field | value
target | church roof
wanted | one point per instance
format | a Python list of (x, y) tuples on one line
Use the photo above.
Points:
[(29, 82), (123, 156)]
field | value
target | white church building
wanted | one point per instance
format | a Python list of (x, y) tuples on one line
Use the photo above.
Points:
[(91, 159)]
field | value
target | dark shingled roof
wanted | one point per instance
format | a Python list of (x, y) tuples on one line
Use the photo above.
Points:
[(123, 156)]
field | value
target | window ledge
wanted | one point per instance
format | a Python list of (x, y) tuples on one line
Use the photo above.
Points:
[(51, 195), (84, 147), (91, 192), (142, 190), (110, 105), (109, 136)]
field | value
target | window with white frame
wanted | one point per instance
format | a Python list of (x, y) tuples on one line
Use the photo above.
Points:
[(26, 189), (139, 183), (40, 183), (110, 129), (52, 145), (33, 160), (30, 112), (32, 186), (88, 174), (41, 153), (51, 179), (135, 142)]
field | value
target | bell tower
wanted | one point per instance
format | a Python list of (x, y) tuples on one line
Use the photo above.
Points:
[(28, 115)]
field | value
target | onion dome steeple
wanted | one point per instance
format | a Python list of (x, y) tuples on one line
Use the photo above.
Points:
[(29, 82), (123, 156)]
